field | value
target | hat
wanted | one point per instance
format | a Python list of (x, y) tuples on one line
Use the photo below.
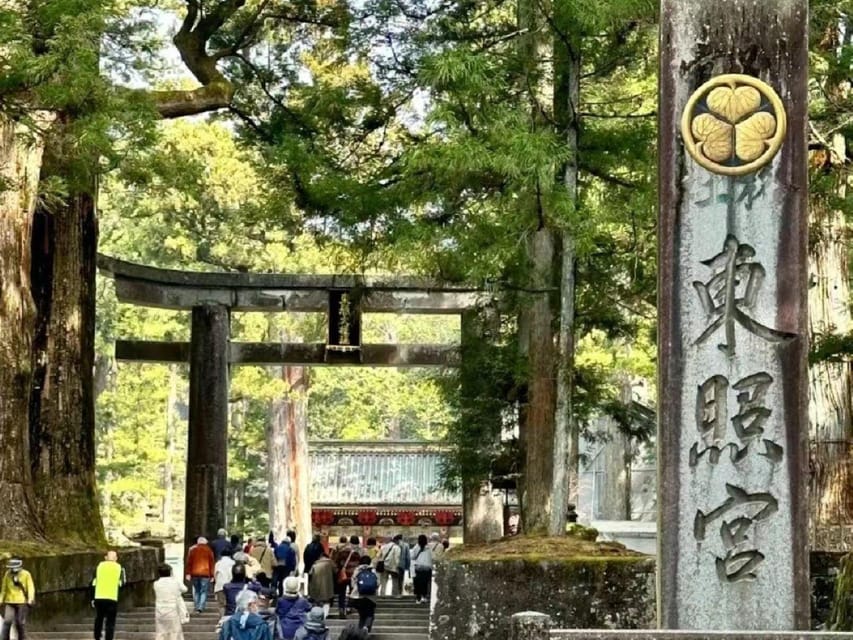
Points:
[(291, 586), (315, 620), (222, 533), (14, 564), (202, 540)]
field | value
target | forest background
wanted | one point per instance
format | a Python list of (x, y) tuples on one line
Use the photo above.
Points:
[(509, 143)]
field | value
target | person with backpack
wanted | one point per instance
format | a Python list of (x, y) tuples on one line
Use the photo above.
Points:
[(422, 563), (291, 609), (17, 595), (362, 597)]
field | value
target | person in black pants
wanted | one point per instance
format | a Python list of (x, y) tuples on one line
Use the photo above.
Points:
[(362, 597), (109, 579)]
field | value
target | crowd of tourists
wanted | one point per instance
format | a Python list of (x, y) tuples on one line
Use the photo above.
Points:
[(256, 586), (258, 592)]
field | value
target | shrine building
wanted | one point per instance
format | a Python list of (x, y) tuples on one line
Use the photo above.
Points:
[(381, 488)]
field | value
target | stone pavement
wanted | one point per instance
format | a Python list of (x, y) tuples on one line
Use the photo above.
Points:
[(396, 619)]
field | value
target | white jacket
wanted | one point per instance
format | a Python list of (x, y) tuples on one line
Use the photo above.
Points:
[(390, 555), (222, 573), (422, 558)]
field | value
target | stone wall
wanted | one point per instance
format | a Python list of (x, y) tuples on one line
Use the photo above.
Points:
[(63, 582), (476, 599)]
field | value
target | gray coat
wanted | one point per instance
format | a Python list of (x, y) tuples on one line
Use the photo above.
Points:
[(321, 587)]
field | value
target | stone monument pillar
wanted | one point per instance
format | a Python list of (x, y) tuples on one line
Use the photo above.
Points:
[(207, 449), (732, 313)]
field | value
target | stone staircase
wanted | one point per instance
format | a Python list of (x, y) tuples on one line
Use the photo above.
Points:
[(396, 619)]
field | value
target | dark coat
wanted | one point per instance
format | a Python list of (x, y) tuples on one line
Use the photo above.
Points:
[(313, 552), (291, 614)]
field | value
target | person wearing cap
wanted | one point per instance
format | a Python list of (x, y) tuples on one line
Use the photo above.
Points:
[(108, 581), (220, 544), (17, 594), (291, 608), (246, 624), (200, 569), (314, 627)]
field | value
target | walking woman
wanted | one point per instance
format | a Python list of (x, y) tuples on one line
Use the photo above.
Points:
[(170, 611), (422, 563)]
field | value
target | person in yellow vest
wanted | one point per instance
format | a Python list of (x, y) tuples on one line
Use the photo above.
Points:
[(109, 578), (17, 594)]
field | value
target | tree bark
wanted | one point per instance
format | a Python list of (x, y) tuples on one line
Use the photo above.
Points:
[(20, 163), (62, 401), (830, 383), (566, 433), (287, 449), (482, 511), (483, 516), (537, 500), (171, 446)]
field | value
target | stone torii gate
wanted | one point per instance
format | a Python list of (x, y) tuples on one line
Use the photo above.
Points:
[(211, 297)]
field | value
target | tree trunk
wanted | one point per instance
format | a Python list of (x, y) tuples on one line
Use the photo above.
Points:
[(171, 446), (482, 510), (20, 162), (287, 448), (537, 484), (62, 403), (566, 434), (483, 513), (830, 383)]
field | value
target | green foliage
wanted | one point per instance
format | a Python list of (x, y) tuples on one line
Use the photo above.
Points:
[(841, 615), (196, 200)]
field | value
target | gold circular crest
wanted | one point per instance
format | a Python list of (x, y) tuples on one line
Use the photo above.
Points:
[(733, 124)]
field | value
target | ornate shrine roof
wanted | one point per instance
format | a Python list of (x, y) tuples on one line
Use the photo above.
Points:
[(378, 473)]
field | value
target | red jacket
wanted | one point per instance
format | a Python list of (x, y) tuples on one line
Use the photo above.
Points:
[(200, 562)]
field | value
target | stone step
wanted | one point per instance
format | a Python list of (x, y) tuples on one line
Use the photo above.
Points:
[(194, 635), (420, 616), (194, 625)]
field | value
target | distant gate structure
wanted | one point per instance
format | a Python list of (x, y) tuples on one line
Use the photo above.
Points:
[(211, 297), (381, 488)]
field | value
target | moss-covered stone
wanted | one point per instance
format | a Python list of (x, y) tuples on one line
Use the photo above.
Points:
[(477, 597)]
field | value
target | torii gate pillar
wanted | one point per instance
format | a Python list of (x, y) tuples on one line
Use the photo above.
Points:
[(207, 452)]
